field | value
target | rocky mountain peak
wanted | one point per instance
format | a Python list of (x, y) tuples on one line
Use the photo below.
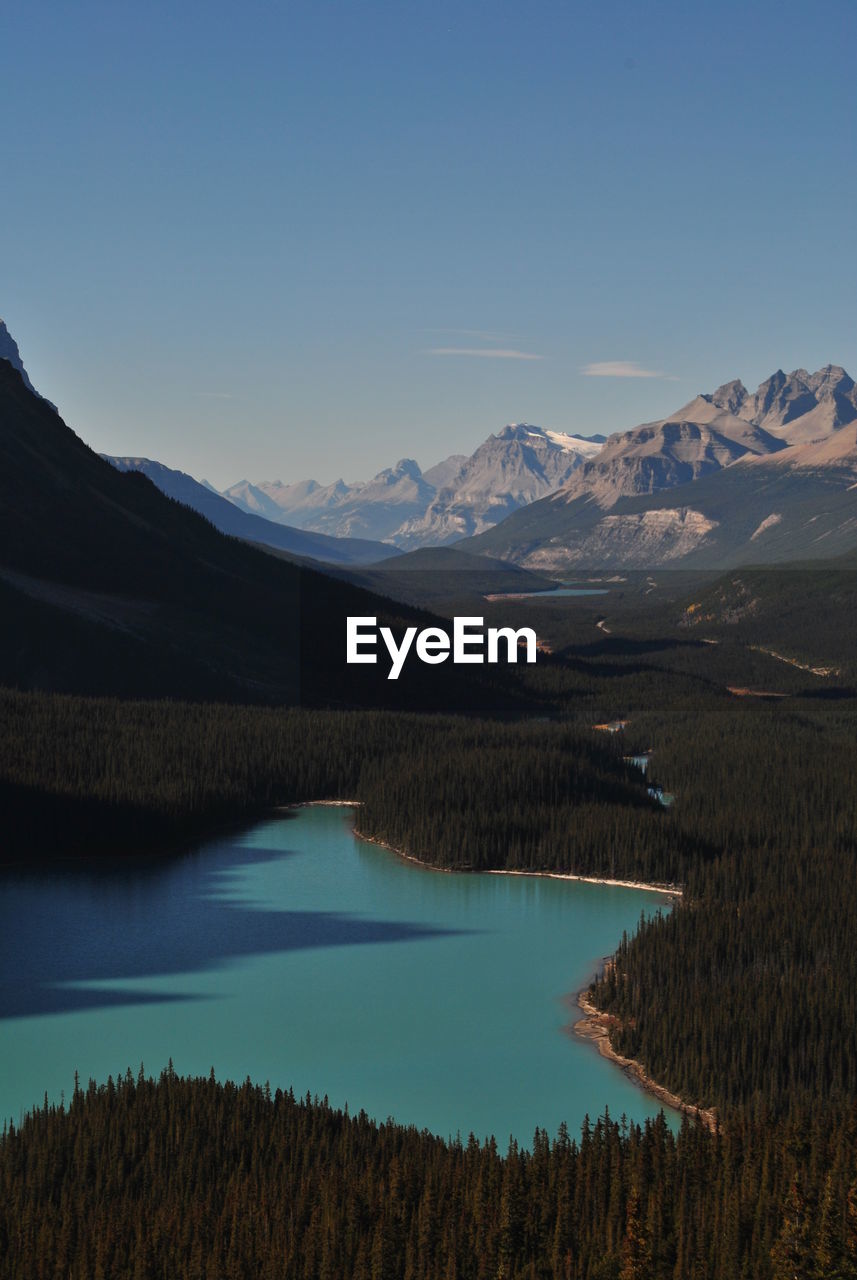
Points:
[(730, 396), (780, 399), (9, 351), (767, 391), (406, 467), (829, 380), (518, 431)]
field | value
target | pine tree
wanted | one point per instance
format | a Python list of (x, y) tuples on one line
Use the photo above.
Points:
[(634, 1253), (791, 1254)]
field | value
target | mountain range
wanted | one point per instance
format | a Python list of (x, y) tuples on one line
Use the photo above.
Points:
[(459, 497), (238, 523), (108, 586), (732, 477)]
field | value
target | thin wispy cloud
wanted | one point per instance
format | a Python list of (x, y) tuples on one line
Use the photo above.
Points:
[(623, 369), (482, 335), (485, 353)]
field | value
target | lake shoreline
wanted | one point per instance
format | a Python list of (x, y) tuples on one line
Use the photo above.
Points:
[(666, 890), (673, 891), (595, 1024)]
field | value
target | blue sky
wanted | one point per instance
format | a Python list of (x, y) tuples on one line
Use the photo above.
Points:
[(292, 240)]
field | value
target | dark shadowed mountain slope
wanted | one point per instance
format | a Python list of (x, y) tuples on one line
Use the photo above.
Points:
[(803, 613), (109, 586), (9, 351), (433, 577), (231, 519)]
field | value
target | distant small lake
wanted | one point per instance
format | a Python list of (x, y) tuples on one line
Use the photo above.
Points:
[(552, 594), (298, 954), (574, 591)]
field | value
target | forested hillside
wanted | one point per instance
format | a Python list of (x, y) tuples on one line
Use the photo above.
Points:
[(745, 993), (742, 998), (190, 1178)]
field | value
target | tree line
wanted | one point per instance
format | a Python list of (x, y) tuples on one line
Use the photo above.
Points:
[(182, 1179), (742, 996)]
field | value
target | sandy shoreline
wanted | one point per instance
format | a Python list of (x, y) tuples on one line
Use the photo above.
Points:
[(321, 804), (594, 1025), (667, 890)]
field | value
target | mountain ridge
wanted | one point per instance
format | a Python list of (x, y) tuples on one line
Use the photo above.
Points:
[(233, 520), (457, 497), (108, 586), (729, 477)]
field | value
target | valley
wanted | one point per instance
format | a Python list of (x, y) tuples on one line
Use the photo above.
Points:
[(169, 686), (428, 642)]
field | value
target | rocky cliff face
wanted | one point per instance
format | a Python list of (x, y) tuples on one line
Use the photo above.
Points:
[(719, 430), (516, 466), (768, 475), (800, 407)]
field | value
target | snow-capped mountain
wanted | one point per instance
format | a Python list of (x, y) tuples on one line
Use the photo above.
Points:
[(730, 476), (455, 498), (511, 469)]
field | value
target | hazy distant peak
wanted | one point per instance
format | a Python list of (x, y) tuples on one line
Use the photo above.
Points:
[(444, 472), (249, 497), (275, 486), (407, 467), (406, 471)]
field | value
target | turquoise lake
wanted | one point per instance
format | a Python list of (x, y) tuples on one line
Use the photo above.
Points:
[(301, 955), (554, 593), (572, 591)]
